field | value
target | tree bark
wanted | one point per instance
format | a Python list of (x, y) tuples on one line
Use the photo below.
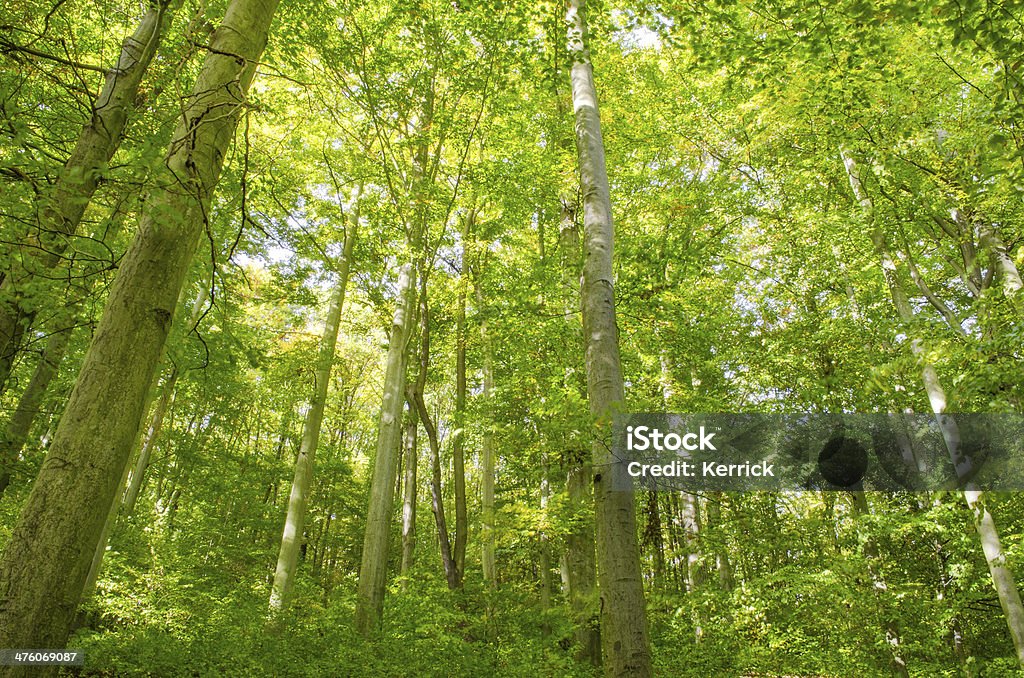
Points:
[(43, 569), (881, 592), (625, 645), (77, 182), (459, 434), (291, 538), (17, 430), (580, 565), (409, 492)]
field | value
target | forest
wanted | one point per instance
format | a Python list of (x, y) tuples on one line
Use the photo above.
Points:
[(316, 318)]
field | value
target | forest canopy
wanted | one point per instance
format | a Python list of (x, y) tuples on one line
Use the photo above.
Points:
[(315, 318)]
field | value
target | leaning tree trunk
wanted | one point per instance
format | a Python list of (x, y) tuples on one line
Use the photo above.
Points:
[(373, 570), (1002, 577), (16, 433), (625, 646), (63, 210), (43, 569), (291, 539)]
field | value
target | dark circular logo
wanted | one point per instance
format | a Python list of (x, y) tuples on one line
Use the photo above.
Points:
[(843, 461)]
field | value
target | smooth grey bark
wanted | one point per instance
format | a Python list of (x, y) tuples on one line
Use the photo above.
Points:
[(625, 645), (298, 499), (63, 210), (373, 569), (1002, 578), (45, 565), (580, 564)]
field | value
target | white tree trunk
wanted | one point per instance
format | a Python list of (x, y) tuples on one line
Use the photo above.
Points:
[(625, 646), (294, 524)]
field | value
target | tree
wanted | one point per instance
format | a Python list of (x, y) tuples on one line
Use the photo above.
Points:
[(81, 476), (284, 575), (626, 648)]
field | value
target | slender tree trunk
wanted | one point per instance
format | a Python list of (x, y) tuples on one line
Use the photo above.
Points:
[(17, 430), (459, 434), (1002, 577), (881, 591), (544, 557), (373, 570), (292, 537), (43, 569), (625, 646), (487, 537), (415, 395), (726, 579), (63, 210), (409, 490), (156, 422)]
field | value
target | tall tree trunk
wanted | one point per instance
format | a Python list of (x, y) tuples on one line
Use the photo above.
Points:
[(373, 569), (43, 569), (62, 327), (459, 434), (291, 538), (1002, 577), (544, 557), (625, 646), (16, 433), (726, 579), (62, 212)]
